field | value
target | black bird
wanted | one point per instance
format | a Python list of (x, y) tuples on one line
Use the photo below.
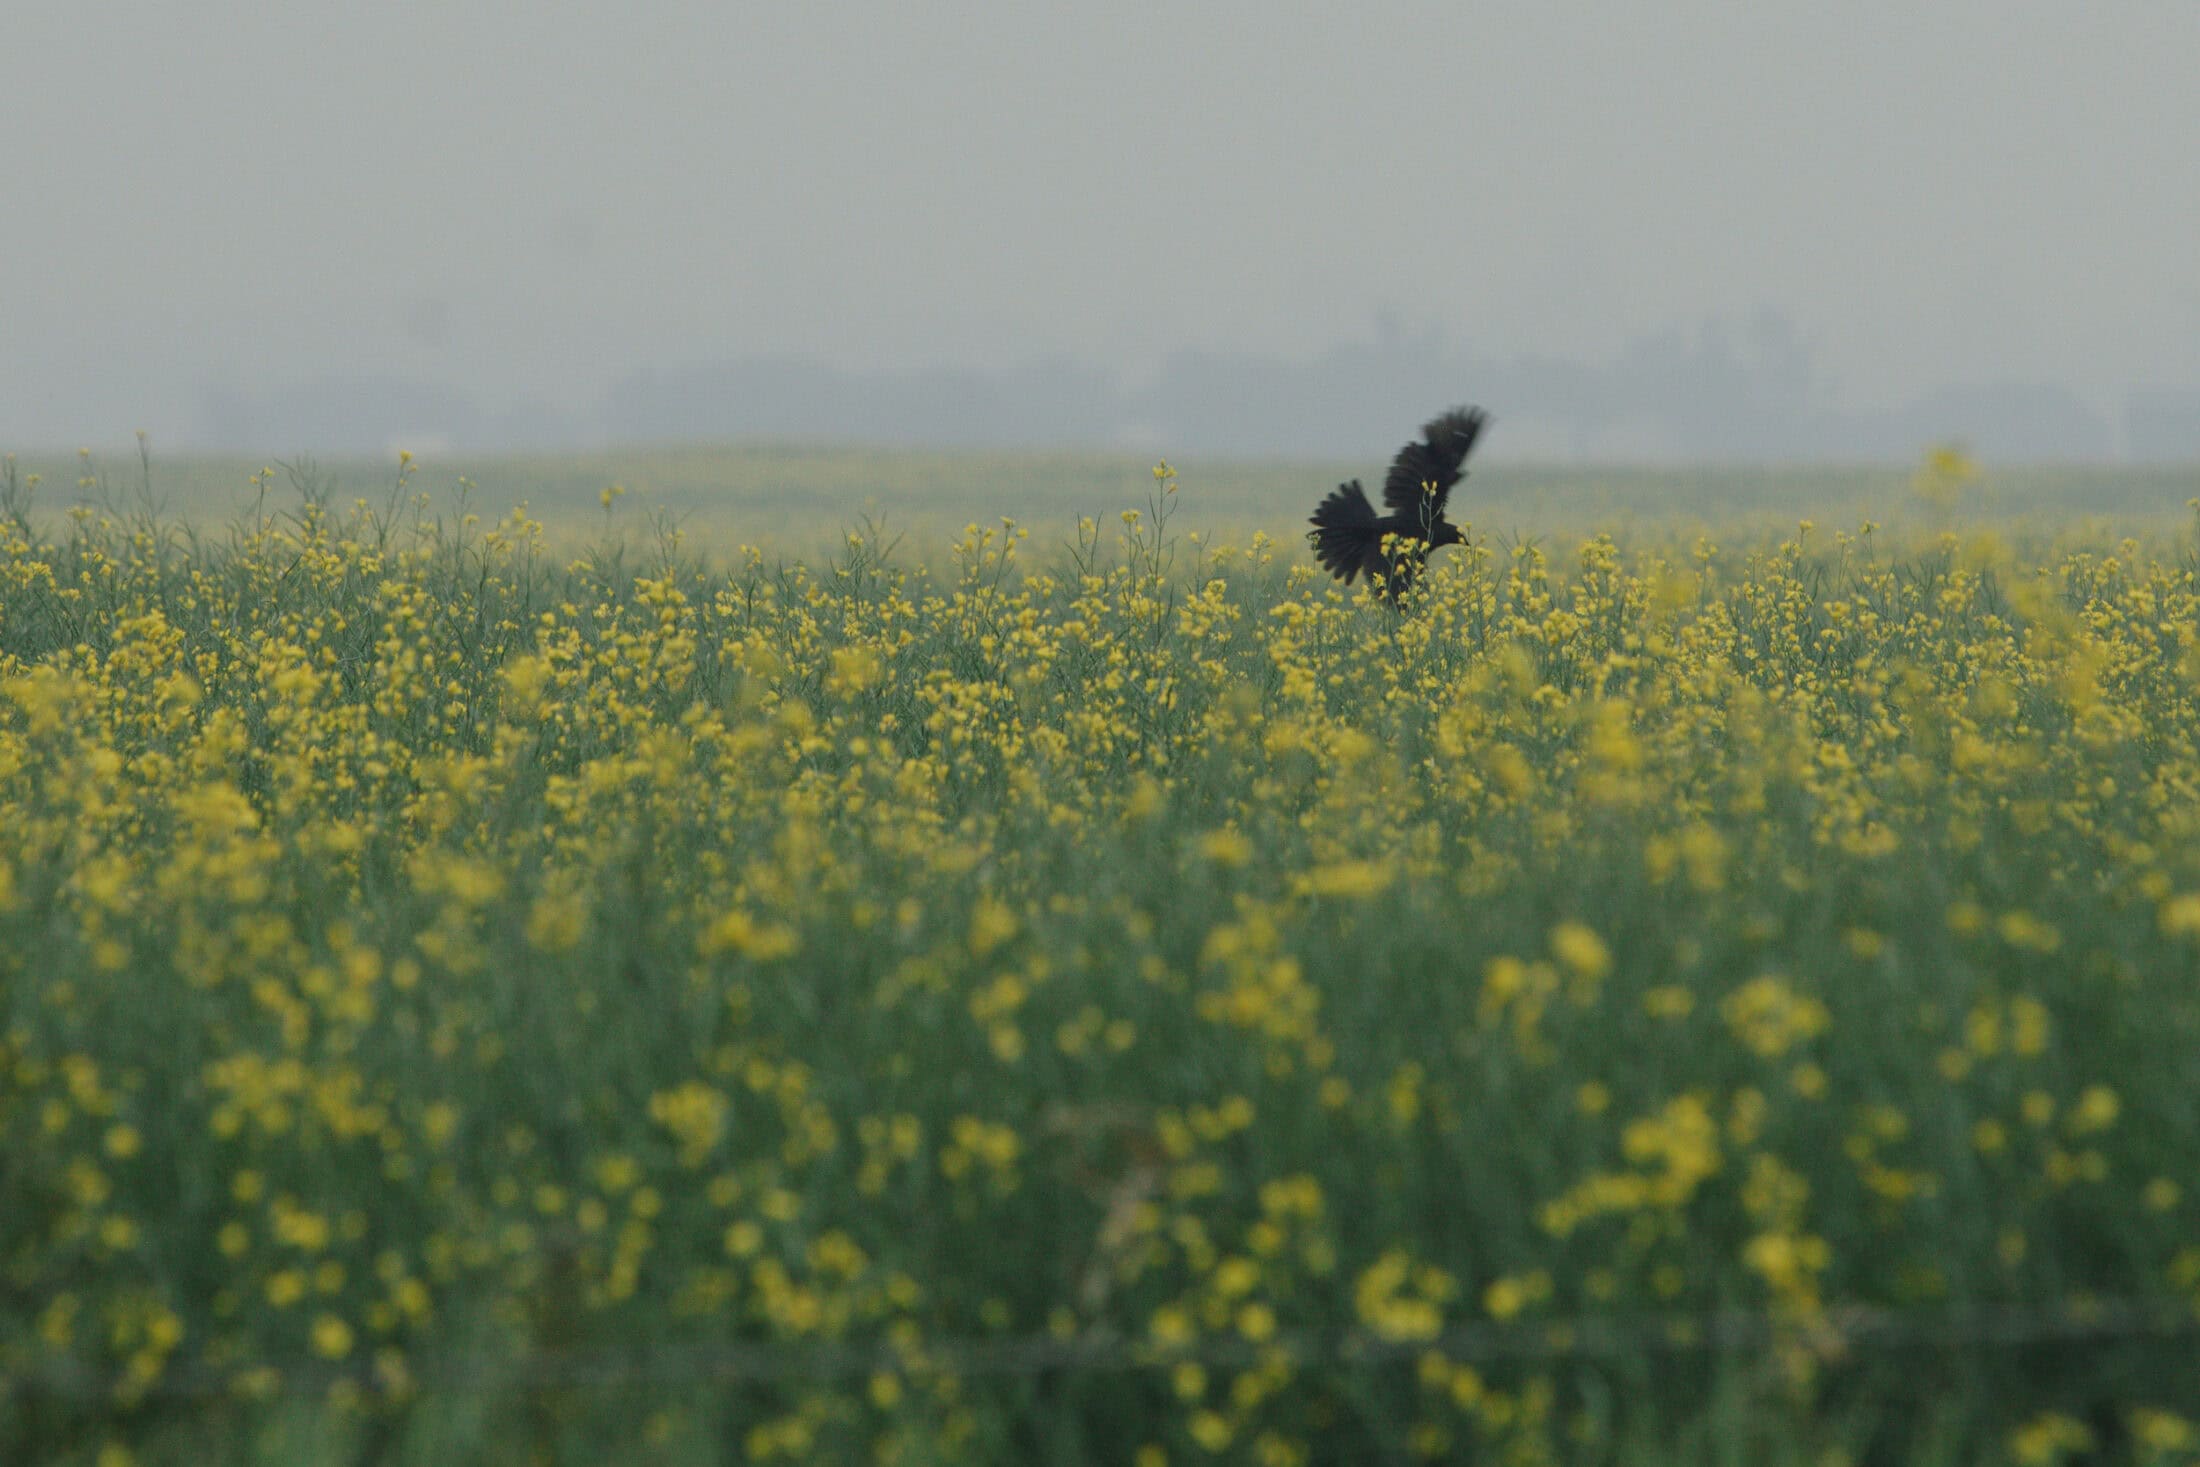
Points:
[(1349, 538)]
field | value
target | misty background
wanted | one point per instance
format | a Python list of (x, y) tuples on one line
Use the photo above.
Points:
[(1676, 233)]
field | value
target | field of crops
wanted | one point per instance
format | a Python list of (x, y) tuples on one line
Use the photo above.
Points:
[(797, 495), (1103, 997)]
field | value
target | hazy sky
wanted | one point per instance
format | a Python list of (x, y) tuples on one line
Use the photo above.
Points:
[(535, 200)]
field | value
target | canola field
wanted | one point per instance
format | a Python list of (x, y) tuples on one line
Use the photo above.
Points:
[(469, 997)]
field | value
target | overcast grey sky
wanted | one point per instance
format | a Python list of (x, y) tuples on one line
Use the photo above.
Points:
[(536, 201)]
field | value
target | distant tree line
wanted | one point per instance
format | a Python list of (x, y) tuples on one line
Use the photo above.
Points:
[(1747, 390)]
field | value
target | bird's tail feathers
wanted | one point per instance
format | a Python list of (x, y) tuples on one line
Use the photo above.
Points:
[(1344, 531)]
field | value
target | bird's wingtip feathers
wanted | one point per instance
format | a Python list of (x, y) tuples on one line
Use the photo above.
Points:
[(1446, 429)]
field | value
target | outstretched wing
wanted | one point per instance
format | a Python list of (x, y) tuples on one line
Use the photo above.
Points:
[(1344, 528), (1422, 474)]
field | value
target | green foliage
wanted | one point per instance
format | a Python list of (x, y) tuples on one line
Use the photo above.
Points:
[(460, 1001)]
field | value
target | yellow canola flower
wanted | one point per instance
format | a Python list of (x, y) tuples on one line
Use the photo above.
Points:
[(739, 933), (2180, 916), (1348, 879), (332, 1338), (1580, 949), (1770, 1017), (1226, 848)]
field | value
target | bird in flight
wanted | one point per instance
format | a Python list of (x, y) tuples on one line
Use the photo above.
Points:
[(1350, 539)]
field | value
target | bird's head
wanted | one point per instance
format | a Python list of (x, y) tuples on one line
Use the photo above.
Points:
[(1444, 532)]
